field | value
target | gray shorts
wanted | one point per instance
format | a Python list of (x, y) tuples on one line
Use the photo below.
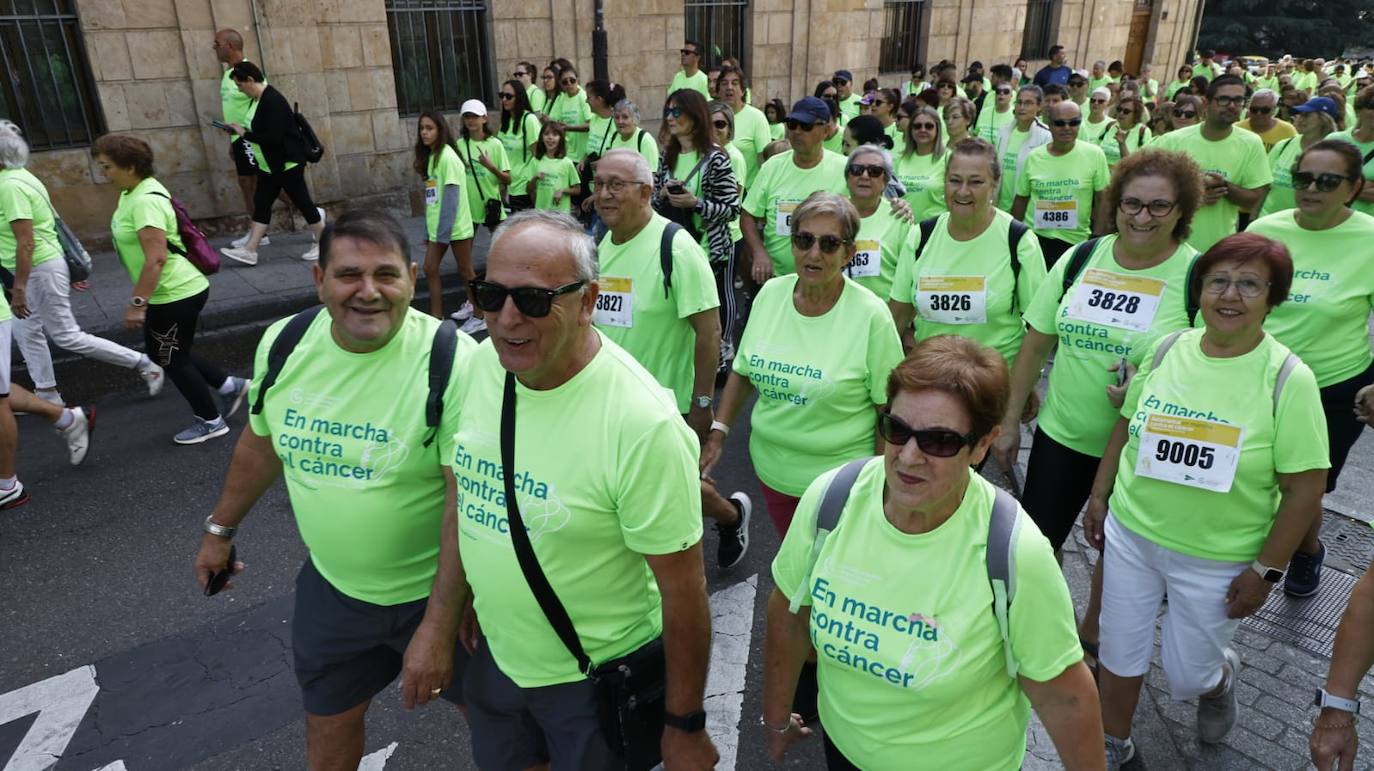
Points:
[(514, 728), (347, 651)]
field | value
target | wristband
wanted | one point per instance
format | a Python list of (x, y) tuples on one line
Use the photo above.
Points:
[(215, 528), (787, 726), (716, 425)]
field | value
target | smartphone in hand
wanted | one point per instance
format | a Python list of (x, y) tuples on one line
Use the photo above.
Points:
[(220, 578), (221, 125)]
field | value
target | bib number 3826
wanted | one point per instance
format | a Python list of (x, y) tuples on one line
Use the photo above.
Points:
[(1189, 451), (952, 299)]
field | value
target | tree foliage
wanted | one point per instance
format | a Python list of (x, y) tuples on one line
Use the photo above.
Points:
[(1303, 28)]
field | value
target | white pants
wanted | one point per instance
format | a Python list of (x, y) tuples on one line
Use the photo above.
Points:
[(6, 329), (50, 311), (1135, 576)]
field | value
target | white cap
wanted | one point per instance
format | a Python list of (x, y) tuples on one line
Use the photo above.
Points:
[(1083, 74), (473, 107), (1363, 73), (1101, 93)]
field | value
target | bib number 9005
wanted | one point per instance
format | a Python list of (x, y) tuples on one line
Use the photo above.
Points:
[(1185, 453)]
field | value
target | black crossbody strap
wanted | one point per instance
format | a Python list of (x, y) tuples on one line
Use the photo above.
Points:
[(548, 601), (475, 178)]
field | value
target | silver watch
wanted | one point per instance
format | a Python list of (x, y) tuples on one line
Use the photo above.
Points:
[(215, 528), (701, 401)]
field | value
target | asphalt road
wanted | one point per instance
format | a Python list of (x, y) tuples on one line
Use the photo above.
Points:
[(104, 634)]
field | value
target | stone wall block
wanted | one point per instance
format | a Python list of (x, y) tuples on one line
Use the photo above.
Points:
[(376, 45), (147, 104), (109, 54), (361, 93), (341, 46), (200, 56), (113, 105), (534, 41), (181, 103), (194, 14), (336, 90), (384, 87), (389, 130), (156, 54), (147, 14), (352, 133)]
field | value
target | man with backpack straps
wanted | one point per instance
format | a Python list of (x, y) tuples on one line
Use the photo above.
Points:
[(346, 405)]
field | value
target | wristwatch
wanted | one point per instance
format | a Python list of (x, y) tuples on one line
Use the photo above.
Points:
[(1325, 700), (1272, 575), (214, 528), (701, 401), (138, 302), (690, 723)]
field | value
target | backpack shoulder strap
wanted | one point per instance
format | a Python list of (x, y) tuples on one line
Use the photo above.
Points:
[(281, 349), (441, 353), (1368, 156), (1193, 305), (832, 503), (1002, 529), (665, 255), (1164, 346), (1077, 260), (1015, 233), (639, 141), (1289, 364), (927, 227)]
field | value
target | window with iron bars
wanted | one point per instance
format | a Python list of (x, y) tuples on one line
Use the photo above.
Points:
[(440, 53), (721, 26), (1042, 27), (904, 34), (47, 87)]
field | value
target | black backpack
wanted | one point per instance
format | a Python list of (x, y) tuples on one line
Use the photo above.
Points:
[(1014, 235), (314, 151), (441, 355), (1079, 260)]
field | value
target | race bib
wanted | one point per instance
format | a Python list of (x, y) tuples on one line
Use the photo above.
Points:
[(1189, 451), (431, 192), (782, 216), (1056, 215), (952, 299), (868, 259), (1127, 302), (615, 303)]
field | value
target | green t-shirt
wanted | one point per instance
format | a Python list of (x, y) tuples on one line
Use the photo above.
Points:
[(990, 123), (617, 480), (1304, 81), (741, 168), (633, 312), (351, 425), (924, 179), (234, 103), (1076, 412), (480, 184), (778, 189), (573, 111), (559, 174), (881, 238), (23, 197), (1006, 193), (1239, 158), (518, 144), (142, 208), (255, 149), (1325, 319), (751, 136), (698, 83), (1096, 83), (835, 143), (1281, 196), (1096, 132), (849, 108), (1366, 148), (446, 169), (911, 661), (1237, 391), (817, 388), (1205, 70), (1061, 190), (641, 142), (1149, 90), (894, 132), (979, 270), (1174, 87), (537, 97), (685, 170), (1139, 136), (776, 130), (599, 135)]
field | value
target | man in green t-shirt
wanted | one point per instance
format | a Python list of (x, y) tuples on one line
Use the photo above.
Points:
[(1235, 170), (1014, 142), (843, 81), (690, 76), (234, 105), (567, 451), (990, 120), (751, 133), (1060, 192), (345, 423)]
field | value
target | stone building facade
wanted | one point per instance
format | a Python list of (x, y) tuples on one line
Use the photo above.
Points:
[(154, 73)]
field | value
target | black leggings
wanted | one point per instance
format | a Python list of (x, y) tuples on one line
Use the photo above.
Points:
[(168, 332), (1058, 482), (1342, 429), (271, 185), (834, 759), (724, 271)]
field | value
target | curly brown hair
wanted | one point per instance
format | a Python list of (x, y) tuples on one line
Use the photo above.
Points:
[(127, 152), (1181, 171)]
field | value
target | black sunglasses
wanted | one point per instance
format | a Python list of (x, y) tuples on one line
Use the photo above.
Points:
[(505, 95), (1069, 122), (940, 442), (672, 111), (532, 301), (1261, 110), (859, 169), (688, 52), (837, 82), (1325, 182), (829, 244), (568, 81), (796, 125), (720, 124), (1186, 114)]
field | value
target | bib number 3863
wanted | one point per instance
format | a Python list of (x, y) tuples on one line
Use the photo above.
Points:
[(1189, 451), (782, 217), (868, 259)]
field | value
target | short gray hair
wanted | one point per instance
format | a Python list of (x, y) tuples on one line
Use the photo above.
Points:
[(641, 173), (1269, 92), (14, 151), (629, 106), (881, 152), (821, 203), (1033, 90), (580, 245)]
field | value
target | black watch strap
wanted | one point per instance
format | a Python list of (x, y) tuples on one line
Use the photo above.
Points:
[(691, 723)]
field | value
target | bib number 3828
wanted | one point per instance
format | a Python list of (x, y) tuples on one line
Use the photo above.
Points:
[(1116, 299), (1189, 451)]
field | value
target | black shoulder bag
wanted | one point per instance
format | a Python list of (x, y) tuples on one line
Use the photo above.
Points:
[(684, 217), (630, 690), (491, 207)]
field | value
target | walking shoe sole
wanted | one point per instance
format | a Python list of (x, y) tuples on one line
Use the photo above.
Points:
[(89, 411), (221, 431), (236, 403), (16, 502), (746, 510)]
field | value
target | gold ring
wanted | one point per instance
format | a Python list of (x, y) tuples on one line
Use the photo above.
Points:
[(436, 691)]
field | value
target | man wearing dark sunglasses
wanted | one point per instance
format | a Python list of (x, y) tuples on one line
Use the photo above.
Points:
[(344, 422), (1060, 190), (691, 76), (991, 121), (576, 473), (1263, 120), (849, 102)]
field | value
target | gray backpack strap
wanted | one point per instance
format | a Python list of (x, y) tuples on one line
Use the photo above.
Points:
[(1289, 364), (1002, 529), (1164, 346), (827, 519)]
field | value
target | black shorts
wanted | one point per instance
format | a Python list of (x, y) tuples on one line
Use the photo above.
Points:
[(243, 165), (1342, 428), (346, 650), (1058, 482)]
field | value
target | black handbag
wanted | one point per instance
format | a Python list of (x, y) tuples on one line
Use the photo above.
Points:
[(684, 217), (630, 690)]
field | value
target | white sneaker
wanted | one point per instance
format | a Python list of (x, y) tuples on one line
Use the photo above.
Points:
[(51, 397), (154, 377), (462, 314), (78, 434), (474, 325), (14, 497), (239, 243), (313, 255), (320, 209), (240, 255)]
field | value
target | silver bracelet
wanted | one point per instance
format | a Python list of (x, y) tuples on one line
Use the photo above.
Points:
[(716, 425), (785, 728), (215, 528)]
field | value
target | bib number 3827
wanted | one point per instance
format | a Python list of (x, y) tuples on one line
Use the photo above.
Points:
[(1189, 451)]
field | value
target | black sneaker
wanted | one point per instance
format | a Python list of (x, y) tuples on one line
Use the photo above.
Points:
[(1304, 573), (734, 539)]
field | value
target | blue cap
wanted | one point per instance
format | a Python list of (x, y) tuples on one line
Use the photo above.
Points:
[(809, 109), (844, 74), (1320, 104)]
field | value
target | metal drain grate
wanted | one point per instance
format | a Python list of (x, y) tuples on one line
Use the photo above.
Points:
[(1349, 543), (1309, 623)]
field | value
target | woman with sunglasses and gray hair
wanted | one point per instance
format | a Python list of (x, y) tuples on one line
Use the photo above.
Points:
[(882, 234), (894, 573), (41, 302)]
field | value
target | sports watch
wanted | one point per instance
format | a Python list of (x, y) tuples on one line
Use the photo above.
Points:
[(138, 302), (690, 723), (1325, 700), (701, 401), (1272, 575)]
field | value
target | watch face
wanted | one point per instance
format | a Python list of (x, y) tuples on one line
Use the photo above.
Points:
[(1273, 575)]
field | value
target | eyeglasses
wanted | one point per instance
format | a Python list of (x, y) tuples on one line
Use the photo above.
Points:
[(532, 301), (1069, 122), (1004, 92), (1261, 110), (568, 81), (672, 111), (1121, 112), (1186, 114), (1157, 208), (1214, 283), (1325, 182), (519, 74), (546, 76), (615, 185), (688, 52), (939, 442), (837, 82), (1229, 101), (829, 244), (720, 124), (859, 169), (1077, 83), (796, 125), (1097, 101), (923, 126), (507, 95)]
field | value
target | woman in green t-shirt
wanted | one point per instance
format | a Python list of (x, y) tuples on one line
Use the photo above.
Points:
[(553, 180), (1213, 471), (1130, 133), (921, 166), (916, 669), (1314, 120), (882, 234), (169, 292), (776, 113), (1362, 136), (448, 220), (519, 134), (629, 134), (486, 166), (959, 116), (1326, 318)]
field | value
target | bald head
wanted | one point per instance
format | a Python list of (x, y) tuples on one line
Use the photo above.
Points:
[(229, 46), (1064, 112)]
